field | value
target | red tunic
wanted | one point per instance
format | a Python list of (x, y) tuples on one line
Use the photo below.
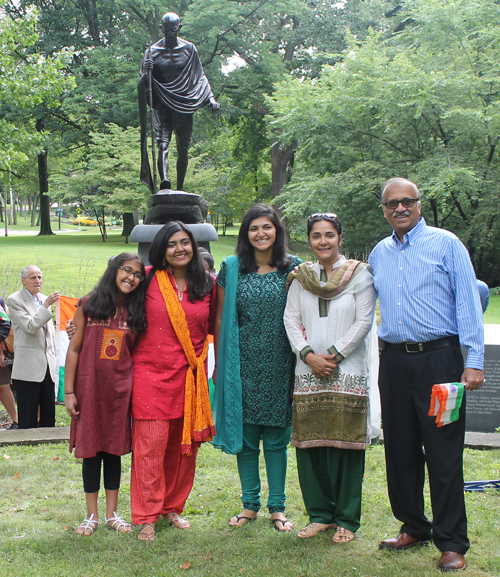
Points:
[(160, 365), (103, 388)]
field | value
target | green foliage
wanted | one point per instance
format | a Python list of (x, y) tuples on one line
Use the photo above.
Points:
[(26, 80), (424, 104), (106, 181), (369, 90)]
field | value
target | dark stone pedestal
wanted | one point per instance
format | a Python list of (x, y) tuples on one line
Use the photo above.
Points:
[(168, 205)]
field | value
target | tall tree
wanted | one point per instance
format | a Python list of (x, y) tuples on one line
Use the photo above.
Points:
[(263, 42), (423, 103), (105, 183), (26, 80)]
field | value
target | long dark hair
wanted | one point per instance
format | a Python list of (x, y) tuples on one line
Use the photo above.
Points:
[(199, 281), (246, 252), (101, 302)]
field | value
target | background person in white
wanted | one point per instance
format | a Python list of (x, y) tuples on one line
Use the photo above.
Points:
[(34, 350), (429, 305)]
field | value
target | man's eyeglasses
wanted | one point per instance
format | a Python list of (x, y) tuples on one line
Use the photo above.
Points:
[(395, 202), (325, 215), (129, 271)]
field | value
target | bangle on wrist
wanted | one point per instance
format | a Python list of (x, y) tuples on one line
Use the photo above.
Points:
[(71, 393)]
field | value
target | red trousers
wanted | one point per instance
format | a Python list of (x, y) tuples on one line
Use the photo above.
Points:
[(161, 478)]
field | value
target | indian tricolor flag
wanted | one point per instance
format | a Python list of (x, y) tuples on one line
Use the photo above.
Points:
[(3, 314), (65, 310), (446, 401)]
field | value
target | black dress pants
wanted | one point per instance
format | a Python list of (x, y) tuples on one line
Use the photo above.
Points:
[(412, 439), (30, 396)]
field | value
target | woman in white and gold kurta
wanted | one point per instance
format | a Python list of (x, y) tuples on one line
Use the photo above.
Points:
[(333, 300)]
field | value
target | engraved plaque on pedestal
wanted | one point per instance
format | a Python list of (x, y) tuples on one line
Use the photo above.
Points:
[(483, 405)]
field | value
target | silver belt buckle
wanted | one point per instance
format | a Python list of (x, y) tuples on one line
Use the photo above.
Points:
[(420, 348)]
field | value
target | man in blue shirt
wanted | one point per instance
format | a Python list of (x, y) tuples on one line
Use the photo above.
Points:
[(484, 294), (429, 304)]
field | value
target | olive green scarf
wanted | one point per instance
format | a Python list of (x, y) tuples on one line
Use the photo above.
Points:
[(339, 280)]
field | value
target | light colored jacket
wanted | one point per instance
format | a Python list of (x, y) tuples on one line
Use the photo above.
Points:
[(34, 338)]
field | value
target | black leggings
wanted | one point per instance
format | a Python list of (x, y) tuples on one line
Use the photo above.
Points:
[(91, 472)]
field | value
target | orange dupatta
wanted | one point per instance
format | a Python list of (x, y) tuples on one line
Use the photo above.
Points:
[(198, 423)]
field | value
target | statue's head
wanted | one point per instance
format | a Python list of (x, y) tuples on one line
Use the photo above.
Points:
[(170, 24)]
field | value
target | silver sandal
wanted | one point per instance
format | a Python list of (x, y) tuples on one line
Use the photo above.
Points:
[(118, 524), (88, 524)]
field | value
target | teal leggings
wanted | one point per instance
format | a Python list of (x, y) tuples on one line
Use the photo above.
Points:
[(275, 442)]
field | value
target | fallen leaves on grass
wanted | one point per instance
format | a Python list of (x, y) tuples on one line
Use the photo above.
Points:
[(6, 457), (185, 565), (16, 476), (56, 458)]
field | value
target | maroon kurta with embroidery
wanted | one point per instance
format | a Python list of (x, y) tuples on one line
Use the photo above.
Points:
[(160, 365), (103, 388)]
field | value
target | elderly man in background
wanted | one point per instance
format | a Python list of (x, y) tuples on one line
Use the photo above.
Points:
[(34, 367), (429, 304)]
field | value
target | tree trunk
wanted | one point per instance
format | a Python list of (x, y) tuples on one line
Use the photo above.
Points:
[(89, 9), (33, 214), (43, 177), (281, 158), (101, 221), (128, 224), (13, 205)]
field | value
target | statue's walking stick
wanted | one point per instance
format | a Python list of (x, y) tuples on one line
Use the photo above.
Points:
[(150, 102)]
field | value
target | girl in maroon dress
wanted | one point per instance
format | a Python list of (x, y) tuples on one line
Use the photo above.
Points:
[(98, 382)]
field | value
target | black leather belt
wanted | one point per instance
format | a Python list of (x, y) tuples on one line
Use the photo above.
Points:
[(421, 347)]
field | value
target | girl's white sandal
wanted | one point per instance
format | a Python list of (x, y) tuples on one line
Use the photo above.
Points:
[(89, 524), (118, 524)]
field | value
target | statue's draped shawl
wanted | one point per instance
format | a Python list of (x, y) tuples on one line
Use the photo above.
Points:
[(186, 94)]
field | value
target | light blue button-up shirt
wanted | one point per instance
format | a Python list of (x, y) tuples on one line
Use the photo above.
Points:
[(427, 290), (34, 298)]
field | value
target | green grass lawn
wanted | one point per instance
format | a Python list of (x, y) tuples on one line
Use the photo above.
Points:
[(492, 315), (73, 262), (42, 502)]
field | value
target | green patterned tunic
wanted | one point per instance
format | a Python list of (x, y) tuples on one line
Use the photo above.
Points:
[(267, 362)]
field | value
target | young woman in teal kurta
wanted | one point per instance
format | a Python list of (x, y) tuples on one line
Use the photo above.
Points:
[(255, 365)]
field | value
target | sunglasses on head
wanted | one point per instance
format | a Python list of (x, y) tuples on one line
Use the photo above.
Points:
[(325, 215)]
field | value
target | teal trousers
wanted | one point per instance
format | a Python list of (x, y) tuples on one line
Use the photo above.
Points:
[(331, 480), (275, 441)]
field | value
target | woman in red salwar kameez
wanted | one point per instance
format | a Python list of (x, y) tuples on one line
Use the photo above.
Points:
[(170, 406)]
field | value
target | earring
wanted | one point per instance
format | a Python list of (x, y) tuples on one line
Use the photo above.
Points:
[(164, 262)]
